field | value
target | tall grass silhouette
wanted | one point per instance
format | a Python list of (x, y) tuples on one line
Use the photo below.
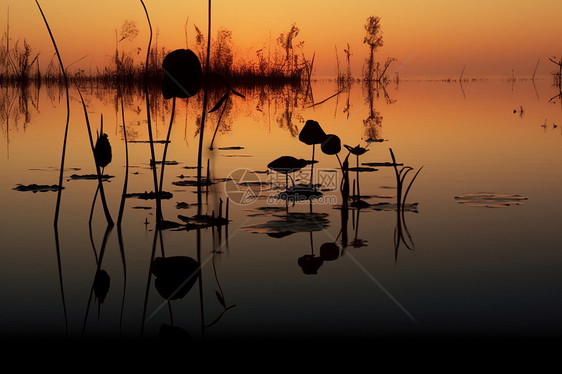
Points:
[(59, 192)]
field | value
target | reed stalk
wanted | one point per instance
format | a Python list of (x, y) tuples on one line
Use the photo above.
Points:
[(149, 124), (98, 171), (203, 115), (59, 192)]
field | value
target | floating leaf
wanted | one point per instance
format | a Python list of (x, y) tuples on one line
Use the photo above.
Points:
[(149, 195), (36, 187), (490, 199), (182, 205), (362, 169), (381, 164), (90, 176)]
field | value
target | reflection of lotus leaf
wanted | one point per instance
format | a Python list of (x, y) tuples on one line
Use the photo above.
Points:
[(310, 264), (329, 251), (490, 199), (291, 223), (390, 207), (175, 276), (101, 285)]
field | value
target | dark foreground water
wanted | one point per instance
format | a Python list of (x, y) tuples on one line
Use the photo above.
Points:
[(475, 249)]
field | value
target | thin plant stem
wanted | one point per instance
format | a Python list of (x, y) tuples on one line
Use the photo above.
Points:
[(218, 125), (149, 124), (167, 142), (201, 131), (59, 191), (98, 172)]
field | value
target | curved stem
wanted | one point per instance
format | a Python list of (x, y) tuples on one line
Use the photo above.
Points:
[(59, 191), (201, 131), (166, 146), (123, 195), (149, 124)]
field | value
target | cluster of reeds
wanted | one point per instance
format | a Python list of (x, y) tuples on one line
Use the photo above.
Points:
[(284, 63)]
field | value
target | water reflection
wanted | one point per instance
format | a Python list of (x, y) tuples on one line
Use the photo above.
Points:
[(187, 272)]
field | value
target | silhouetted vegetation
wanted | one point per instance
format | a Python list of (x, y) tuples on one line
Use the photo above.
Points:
[(375, 70), (557, 77), (284, 62)]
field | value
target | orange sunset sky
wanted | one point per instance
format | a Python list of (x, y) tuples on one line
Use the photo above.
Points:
[(429, 38)]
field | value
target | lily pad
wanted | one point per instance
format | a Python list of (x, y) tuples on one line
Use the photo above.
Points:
[(91, 176), (192, 183), (149, 195), (391, 207), (362, 169), (490, 199), (291, 223), (182, 205), (36, 187)]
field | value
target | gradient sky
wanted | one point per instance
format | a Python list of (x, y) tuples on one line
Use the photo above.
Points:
[(429, 38)]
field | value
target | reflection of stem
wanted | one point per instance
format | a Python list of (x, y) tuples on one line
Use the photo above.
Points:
[(168, 302), (203, 115), (357, 224), (90, 225), (166, 146), (98, 268), (220, 293), (201, 308), (156, 232), (400, 203), (59, 265), (122, 251), (312, 165), (122, 205)]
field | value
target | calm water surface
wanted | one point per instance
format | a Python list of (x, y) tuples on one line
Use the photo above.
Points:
[(445, 265)]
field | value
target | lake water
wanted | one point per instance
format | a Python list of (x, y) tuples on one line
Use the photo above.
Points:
[(449, 263)]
